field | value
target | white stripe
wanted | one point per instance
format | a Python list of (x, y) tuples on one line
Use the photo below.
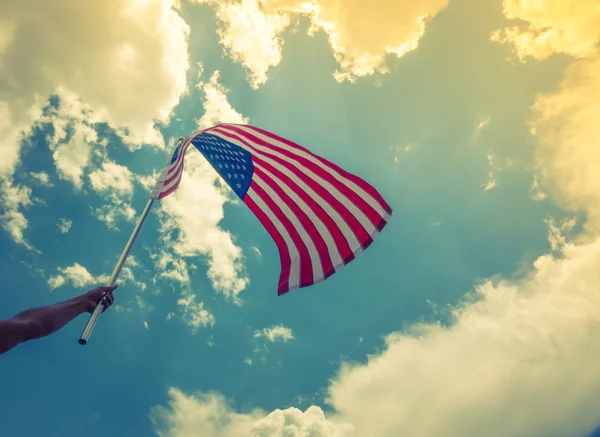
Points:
[(351, 206), (333, 172), (294, 279), (334, 254), (159, 188), (313, 253), (339, 221)]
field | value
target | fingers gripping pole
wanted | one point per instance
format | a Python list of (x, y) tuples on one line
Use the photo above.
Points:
[(113, 278)]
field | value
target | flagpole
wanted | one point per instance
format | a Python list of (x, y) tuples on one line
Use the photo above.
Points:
[(113, 278)]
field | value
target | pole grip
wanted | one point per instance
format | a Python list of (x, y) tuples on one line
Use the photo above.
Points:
[(89, 327)]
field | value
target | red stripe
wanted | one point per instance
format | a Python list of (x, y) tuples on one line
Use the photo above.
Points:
[(304, 219), (173, 188), (360, 232), (284, 255), (340, 241), (179, 165), (306, 275), (339, 238), (179, 158), (358, 181), (371, 214)]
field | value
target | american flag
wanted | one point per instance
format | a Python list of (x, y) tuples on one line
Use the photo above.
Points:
[(320, 216)]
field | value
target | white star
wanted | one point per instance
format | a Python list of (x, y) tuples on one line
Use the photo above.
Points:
[(229, 175), (235, 175), (242, 176), (239, 185)]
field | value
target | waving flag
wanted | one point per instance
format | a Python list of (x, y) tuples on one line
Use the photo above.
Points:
[(320, 216)]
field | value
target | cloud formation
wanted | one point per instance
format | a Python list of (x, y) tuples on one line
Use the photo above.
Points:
[(194, 210), (194, 314), (567, 131), (64, 225), (275, 333), (77, 275), (551, 26), (14, 198), (96, 52), (112, 177), (515, 346), (360, 35), (210, 415)]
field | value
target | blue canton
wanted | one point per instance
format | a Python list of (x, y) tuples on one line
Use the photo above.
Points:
[(176, 154), (233, 163)]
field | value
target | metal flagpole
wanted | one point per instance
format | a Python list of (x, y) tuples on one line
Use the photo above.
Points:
[(113, 278)]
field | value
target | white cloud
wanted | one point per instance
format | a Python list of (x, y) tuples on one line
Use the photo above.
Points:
[(148, 181), (217, 108), (72, 157), (113, 212), (547, 27), (492, 182), (295, 423), (64, 225), (98, 60), (520, 358), (251, 37), (75, 274), (127, 275), (194, 314), (42, 178), (483, 124), (556, 233), (12, 126), (142, 304), (193, 212), (171, 267), (56, 281), (112, 178), (275, 333), (256, 251), (210, 415), (536, 192), (73, 153), (13, 198), (361, 36), (567, 132)]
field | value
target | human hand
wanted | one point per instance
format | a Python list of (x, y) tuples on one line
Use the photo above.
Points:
[(92, 297)]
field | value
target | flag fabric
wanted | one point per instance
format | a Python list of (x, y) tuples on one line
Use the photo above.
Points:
[(319, 215)]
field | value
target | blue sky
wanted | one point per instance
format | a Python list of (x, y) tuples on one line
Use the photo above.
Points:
[(473, 313)]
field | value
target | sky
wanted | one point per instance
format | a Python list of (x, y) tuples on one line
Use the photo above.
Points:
[(475, 312)]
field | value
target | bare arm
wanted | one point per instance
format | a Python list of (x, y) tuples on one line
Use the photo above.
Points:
[(43, 321)]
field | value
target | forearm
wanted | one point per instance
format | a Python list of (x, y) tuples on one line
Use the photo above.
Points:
[(46, 320)]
